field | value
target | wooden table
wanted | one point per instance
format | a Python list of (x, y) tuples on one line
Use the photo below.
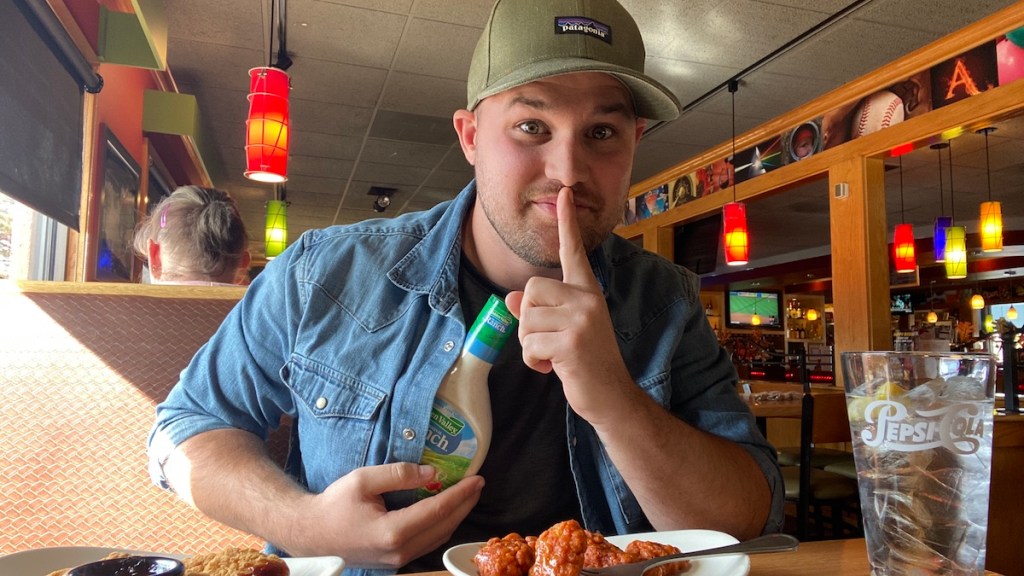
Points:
[(831, 557)]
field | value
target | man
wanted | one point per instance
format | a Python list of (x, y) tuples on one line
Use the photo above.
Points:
[(615, 406)]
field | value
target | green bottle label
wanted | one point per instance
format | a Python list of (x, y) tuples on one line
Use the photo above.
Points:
[(491, 329)]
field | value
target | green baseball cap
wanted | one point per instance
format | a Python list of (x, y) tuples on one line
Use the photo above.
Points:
[(526, 40)]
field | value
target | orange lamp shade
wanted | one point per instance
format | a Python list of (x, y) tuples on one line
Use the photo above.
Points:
[(1011, 314), (956, 252), (903, 248), (734, 232), (977, 302), (991, 227), (932, 317), (266, 136)]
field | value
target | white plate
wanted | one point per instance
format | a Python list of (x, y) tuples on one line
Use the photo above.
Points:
[(459, 559), (42, 561)]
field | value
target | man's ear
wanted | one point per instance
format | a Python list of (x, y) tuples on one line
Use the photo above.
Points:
[(465, 127), (641, 124), (153, 249)]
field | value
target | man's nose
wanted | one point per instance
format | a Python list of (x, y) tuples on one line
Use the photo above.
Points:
[(566, 161)]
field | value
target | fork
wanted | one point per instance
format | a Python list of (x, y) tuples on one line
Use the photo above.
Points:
[(769, 543)]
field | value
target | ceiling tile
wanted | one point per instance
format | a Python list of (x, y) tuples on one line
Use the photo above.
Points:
[(417, 54), (403, 153), (329, 117), (473, 13), (324, 81), (413, 128), (426, 95), (339, 33)]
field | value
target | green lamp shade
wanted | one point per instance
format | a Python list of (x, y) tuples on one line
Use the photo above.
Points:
[(956, 252), (277, 228)]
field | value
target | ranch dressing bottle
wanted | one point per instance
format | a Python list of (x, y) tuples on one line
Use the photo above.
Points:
[(459, 433)]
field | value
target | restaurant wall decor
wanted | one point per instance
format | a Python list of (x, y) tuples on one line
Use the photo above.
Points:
[(973, 72), (116, 213)]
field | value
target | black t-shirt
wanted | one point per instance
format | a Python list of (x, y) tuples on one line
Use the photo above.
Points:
[(529, 485)]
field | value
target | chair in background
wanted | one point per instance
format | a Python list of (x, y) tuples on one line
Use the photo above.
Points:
[(823, 420)]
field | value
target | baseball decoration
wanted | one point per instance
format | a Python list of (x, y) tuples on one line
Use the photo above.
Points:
[(879, 110)]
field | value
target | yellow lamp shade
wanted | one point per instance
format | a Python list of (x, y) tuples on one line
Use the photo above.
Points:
[(734, 232), (932, 317), (956, 252), (903, 249), (812, 314), (276, 233), (755, 320), (991, 227), (977, 302), (990, 323), (1011, 314)]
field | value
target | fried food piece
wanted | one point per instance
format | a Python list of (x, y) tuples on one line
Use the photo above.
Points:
[(644, 550), (601, 553), (560, 550), (235, 562), (509, 556)]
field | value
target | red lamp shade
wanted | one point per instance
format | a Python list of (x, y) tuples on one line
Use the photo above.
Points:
[(734, 232), (266, 138), (903, 248)]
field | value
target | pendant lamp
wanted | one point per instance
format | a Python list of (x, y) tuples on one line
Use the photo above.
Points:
[(903, 238), (735, 239), (977, 301), (942, 222), (812, 314), (276, 230), (266, 134), (956, 236), (1011, 314), (267, 126), (755, 320), (991, 223)]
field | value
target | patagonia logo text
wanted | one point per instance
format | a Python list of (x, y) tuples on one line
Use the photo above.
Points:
[(585, 26)]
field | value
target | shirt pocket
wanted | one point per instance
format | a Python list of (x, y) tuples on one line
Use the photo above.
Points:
[(337, 416)]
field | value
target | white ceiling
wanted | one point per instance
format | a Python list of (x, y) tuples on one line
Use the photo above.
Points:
[(374, 84)]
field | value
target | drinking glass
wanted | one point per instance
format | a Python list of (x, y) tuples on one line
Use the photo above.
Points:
[(922, 442)]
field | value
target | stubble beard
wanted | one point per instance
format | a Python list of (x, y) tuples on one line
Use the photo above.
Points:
[(536, 243)]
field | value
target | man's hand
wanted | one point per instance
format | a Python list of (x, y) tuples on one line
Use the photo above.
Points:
[(565, 326), (349, 517)]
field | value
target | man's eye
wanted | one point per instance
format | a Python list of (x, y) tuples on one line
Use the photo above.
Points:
[(602, 132), (531, 127)]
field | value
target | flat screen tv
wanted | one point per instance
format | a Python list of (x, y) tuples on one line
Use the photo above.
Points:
[(900, 304), (741, 305)]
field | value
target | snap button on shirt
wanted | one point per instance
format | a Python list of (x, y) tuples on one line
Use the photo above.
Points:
[(409, 434), (449, 346), (321, 403)]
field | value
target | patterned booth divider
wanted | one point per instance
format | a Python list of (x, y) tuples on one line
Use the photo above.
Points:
[(82, 367)]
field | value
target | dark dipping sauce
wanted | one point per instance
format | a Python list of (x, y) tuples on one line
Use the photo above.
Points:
[(132, 566)]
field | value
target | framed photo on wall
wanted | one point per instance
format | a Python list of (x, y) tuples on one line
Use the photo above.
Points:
[(118, 212)]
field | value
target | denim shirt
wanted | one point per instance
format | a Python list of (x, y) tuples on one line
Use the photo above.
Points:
[(351, 330)]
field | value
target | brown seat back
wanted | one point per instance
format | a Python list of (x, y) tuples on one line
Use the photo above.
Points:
[(82, 367)]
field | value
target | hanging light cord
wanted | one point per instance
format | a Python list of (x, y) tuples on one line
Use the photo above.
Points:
[(988, 169), (952, 208), (903, 216), (734, 85), (942, 197)]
